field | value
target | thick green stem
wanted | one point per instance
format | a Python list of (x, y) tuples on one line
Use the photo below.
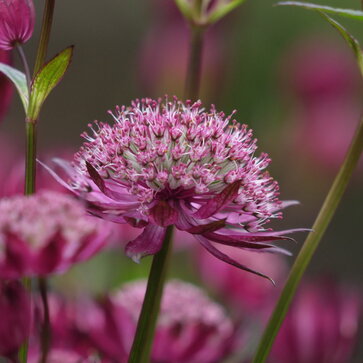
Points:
[(192, 82), (44, 35), (141, 347), (45, 329), (321, 223)]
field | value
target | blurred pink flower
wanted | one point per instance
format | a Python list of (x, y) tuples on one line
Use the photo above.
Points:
[(64, 356), (164, 53), (15, 317), (326, 82), (321, 326), (168, 163), (6, 89), (46, 233), (191, 328), (246, 293), (16, 22)]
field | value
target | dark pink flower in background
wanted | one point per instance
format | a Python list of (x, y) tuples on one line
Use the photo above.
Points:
[(64, 356), (245, 293), (191, 328), (326, 83), (46, 233), (168, 163), (15, 317), (16, 22), (6, 89), (320, 327)]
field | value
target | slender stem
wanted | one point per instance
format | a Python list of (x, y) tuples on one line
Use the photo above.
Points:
[(192, 82), (23, 59), (322, 221), (23, 351), (44, 35), (141, 347), (46, 329), (30, 159)]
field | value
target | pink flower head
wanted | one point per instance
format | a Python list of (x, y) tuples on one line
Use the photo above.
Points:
[(6, 89), (191, 328), (16, 22), (173, 163), (15, 317), (246, 293), (321, 326), (46, 233)]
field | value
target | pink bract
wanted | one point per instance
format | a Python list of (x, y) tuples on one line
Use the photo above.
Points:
[(245, 293), (166, 163), (320, 327), (46, 233), (16, 22)]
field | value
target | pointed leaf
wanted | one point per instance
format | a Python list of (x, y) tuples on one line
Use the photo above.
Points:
[(19, 80), (351, 41), (46, 79), (223, 10), (350, 13)]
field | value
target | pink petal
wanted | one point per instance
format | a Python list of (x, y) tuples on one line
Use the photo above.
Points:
[(205, 228), (50, 256), (149, 242), (223, 257), (215, 204)]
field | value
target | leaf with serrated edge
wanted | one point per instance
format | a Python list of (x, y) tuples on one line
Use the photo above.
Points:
[(223, 10), (350, 13), (19, 80), (46, 79)]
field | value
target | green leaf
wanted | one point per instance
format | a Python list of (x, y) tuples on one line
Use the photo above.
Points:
[(223, 10), (350, 13), (19, 80), (184, 8), (46, 79), (351, 41)]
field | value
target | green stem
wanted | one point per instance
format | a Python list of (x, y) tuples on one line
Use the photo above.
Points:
[(30, 160), (44, 35), (141, 347), (322, 221), (192, 82), (45, 329)]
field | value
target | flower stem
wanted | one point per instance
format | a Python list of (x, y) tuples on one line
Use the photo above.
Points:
[(24, 61), (44, 35), (31, 130), (322, 221), (30, 160), (45, 330), (192, 82), (141, 347)]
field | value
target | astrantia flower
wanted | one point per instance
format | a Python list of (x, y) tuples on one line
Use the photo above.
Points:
[(16, 22), (46, 233), (191, 328), (321, 326), (173, 163), (15, 317)]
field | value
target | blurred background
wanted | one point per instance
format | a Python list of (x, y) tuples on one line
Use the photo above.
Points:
[(291, 77)]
